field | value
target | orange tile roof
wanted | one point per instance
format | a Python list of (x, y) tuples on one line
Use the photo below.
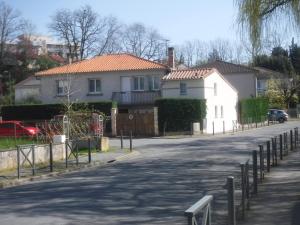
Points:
[(105, 63), (189, 74)]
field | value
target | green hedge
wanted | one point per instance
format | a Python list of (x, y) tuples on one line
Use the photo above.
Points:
[(253, 109), (178, 114), (48, 111)]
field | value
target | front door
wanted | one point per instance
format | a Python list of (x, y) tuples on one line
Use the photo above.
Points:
[(126, 90)]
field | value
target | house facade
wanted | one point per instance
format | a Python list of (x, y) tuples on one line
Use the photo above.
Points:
[(242, 78), (28, 88), (124, 78), (221, 97)]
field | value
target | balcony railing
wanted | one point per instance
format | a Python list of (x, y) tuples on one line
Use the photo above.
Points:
[(136, 98)]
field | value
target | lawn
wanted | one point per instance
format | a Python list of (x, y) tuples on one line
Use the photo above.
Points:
[(11, 143)]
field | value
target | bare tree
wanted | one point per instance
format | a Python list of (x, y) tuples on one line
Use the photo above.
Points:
[(109, 36), (87, 22), (10, 25), (78, 29), (143, 42), (193, 52)]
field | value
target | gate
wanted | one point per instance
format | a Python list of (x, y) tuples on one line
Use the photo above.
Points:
[(141, 123)]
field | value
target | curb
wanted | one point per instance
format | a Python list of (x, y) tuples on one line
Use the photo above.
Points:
[(17, 182)]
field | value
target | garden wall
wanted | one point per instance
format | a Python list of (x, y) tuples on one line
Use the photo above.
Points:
[(8, 159)]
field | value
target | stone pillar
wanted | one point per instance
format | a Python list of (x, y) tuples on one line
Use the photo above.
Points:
[(155, 113), (113, 115)]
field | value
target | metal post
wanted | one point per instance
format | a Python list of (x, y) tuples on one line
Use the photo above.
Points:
[(51, 156), (77, 153), (67, 153), (291, 140), (18, 161), (231, 201), (254, 160), (272, 152), (90, 150), (121, 138), (280, 145), (223, 127), (268, 155), (130, 144), (275, 151), (247, 184), (295, 139), (286, 143), (243, 184), (33, 160), (261, 162), (213, 126)]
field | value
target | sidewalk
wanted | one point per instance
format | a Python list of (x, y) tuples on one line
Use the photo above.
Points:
[(278, 199), (9, 177)]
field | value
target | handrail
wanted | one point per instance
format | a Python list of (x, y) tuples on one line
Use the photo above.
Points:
[(202, 205)]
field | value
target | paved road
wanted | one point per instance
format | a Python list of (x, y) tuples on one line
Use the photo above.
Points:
[(153, 188)]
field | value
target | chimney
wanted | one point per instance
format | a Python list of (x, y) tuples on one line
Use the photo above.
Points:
[(171, 58)]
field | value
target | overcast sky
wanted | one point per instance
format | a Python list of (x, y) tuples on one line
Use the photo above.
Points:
[(177, 20)]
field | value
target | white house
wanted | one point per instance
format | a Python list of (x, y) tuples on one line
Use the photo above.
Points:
[(221, 97)]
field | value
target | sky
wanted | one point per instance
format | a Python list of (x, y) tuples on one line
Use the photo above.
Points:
[(176, 20)]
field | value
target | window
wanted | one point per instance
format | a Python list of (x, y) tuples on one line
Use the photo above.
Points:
[(138, 83), (216, 111), (154, 83), (183, 90), (94, 86), (215, 89), (222, 112), (62, 87)]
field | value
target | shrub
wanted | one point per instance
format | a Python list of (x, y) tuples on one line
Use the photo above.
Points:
[(253, 108), (48, 111), (178, 114)]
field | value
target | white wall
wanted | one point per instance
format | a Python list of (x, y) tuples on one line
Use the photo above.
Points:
[(110, 82), (226, 97), (26, 92), (195, 89), (27, 88)]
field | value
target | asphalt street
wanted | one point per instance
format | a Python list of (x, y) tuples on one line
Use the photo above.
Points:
[(155, 187)]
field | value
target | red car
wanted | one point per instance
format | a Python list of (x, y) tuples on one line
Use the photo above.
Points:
[(15, 128)]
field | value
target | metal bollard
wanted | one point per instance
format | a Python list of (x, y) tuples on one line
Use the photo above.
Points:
[(243, 187), (291, 140), (261, 162), (130, 144), (18, 161), (280, 145), (254, 161), (90, 150), (77, 155), (67, 153), (33, 160), (275, 151), (268, 155), (121, 139), (295, 139), (231, 201), (51, 156)]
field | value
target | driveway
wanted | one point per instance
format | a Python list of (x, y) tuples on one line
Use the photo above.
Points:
[(156, 187)]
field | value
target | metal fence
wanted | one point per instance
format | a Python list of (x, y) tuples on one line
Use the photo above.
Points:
[(241, 188)]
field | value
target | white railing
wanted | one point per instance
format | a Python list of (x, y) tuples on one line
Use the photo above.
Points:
[(202, 206)]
